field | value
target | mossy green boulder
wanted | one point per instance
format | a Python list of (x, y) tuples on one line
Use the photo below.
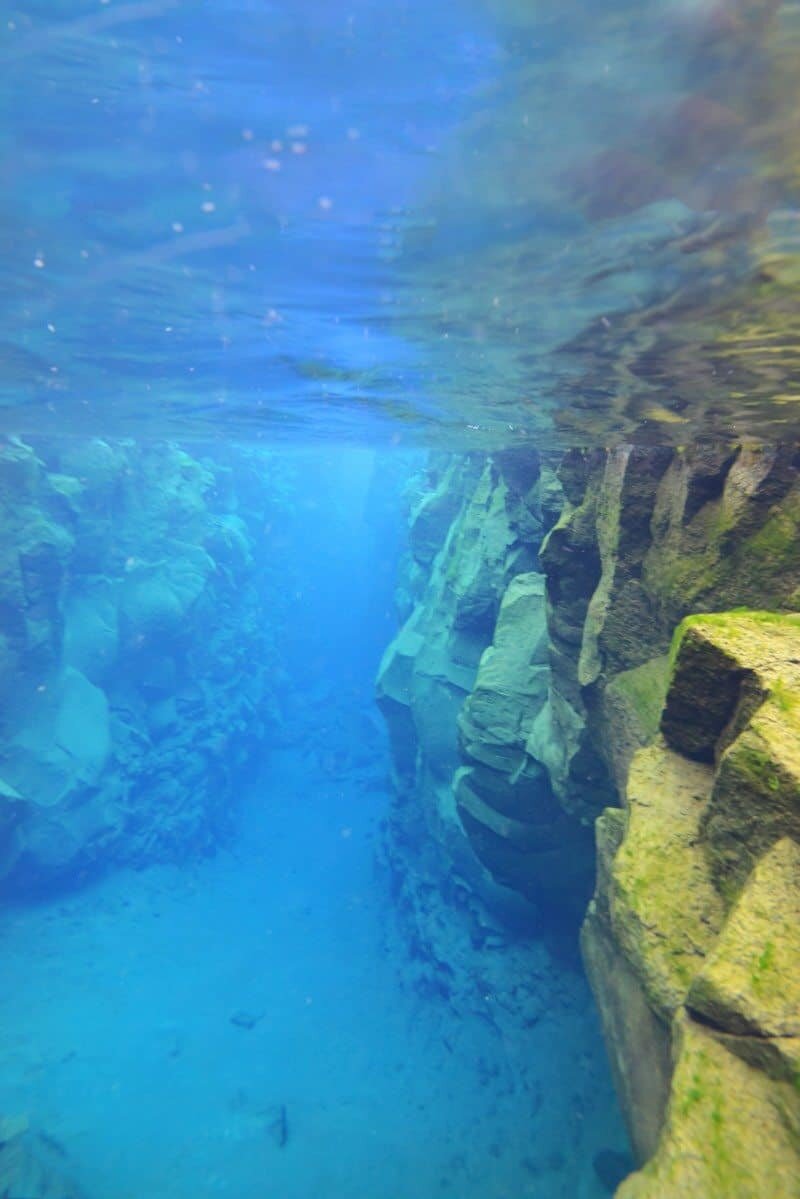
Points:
[(749, 985), (731, 1131), (697, 916)]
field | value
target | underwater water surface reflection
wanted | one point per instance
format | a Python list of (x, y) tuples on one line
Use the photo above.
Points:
[(473, 224)]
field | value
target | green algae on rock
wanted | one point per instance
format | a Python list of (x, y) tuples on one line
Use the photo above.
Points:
[(731, 1131), (696, 731), (749, 985), (697, 899), (664, 909), (735, 698)]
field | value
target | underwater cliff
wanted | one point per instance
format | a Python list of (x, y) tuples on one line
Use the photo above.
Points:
[(139, 674), (622, 635)]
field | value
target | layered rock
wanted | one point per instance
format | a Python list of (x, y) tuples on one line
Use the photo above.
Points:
[(137, 657), (466, 678), (646, 538), (701, 859), (504, 796), (699, 900)]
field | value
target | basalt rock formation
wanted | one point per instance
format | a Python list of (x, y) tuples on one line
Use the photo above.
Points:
[(515, 738), (464, 685), (137, 660), (695, 928)]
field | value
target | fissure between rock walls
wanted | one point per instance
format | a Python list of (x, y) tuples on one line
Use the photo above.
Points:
[(609, 642), (595, 687)]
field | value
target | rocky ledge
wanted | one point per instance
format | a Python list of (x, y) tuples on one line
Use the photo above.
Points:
[(692, 941), (539, 682)]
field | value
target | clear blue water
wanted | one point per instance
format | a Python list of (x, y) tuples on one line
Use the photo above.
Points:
[(208, 986), (257, 258)]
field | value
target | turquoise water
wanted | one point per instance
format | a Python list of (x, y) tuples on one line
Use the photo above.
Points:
[(224, 972), (258, 261)]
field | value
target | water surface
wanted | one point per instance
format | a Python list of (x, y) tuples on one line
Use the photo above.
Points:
[(468, 224)]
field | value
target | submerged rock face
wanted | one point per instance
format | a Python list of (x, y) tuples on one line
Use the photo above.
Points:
[(137, 662), (690, 942), (710, 791), (699, 901), (646, 538), (464, 685)]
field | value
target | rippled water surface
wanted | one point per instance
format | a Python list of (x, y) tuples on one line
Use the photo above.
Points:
[(479, 222)]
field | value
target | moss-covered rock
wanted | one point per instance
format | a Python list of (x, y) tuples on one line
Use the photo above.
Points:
[(638, 1040), (755, 797), (665, 911), (631, 705), (697, 909), (749, 984), (731, 1131), (735, 698), (647, 538)]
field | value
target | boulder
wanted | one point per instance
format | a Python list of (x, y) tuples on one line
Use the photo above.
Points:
[(731, 1131), (691, 941), (749, 984)]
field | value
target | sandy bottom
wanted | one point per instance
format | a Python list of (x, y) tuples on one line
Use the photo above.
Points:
[(239, 1028)]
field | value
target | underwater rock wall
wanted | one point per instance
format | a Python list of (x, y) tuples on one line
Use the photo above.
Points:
[(648, 536), (691, 940), (464, 680), (458, 701), (138, 670), (510, 740)]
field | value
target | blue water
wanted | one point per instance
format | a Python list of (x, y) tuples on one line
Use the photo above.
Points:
[(257, 261), (197, 1006)]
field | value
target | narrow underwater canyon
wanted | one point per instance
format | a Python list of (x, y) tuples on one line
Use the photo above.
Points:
[(249, 944)]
